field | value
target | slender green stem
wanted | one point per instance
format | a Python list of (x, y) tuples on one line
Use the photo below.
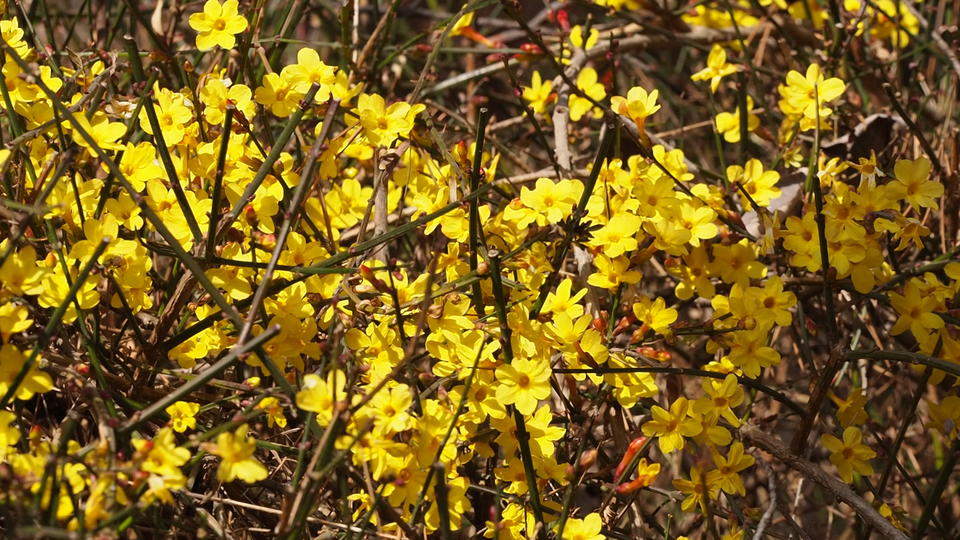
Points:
[(523, 437), (443, 508), (134, 55), (218, 183), (829, 371), (475, 227)]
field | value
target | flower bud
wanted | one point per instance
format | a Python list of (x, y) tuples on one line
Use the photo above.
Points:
[(587, 459)]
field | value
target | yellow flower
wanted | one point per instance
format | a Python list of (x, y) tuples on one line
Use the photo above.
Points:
[(11, 362), (734, 533), (12, 36), (913, 183), (308, 70), (628, 388), (647, 472), (162, 459), (140, 164), (587, 528), (620, 4), (513, 523), (218, 24), (945, 416), (852, 410), (728, 469), (9, 434), (916, 311), (321, 396), (693, 271), (562, 302), (759, 184), (523, 384), (578, 40), (890, 20), (274, 411), (728, 124), (183, 415), (772, 303), (807, 95), (215, 95), (750, 353), (611, 272), (236, 450), (551, 201), (14, 318), (587, 82), (389, 408), (280, 93), (849, 455), (696, 222), (699, 489), (173, 116), (103, 132), (655, 314), (618, 236), (721, 397), (19, 274), (637, 106), (381, 124), (457, 505), (163, 455), (462, 23), (539, 93), (717, 68), (670, 427), (125, 210)]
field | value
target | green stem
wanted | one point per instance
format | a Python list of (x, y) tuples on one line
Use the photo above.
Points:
[(161, 145), (443, 510), (523, 437), (475, 227), (218, 183)]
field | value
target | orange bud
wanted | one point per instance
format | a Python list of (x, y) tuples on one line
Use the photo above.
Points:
[(600, 324), (531, 48), (377, 283), (632, 449), (633, 485)]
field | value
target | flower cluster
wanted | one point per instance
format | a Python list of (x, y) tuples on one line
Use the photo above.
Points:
[(271, 278)]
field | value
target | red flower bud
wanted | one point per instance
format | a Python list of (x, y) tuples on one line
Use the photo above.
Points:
[(635, 446), (531, 48), (563, 19)]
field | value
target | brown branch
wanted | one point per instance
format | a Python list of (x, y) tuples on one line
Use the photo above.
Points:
[(772, 445)]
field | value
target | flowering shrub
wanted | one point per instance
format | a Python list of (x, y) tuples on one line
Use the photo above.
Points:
[(603, 269)]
